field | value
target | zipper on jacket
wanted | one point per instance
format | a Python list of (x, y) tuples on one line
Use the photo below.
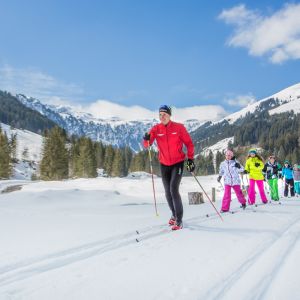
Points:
[(230, 173), (168, 143)]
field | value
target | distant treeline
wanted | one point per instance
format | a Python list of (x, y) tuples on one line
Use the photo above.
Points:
[(71, 157), (81, 157)]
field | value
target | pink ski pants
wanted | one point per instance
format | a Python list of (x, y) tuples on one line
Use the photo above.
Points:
[(227, 196), (251, 191)]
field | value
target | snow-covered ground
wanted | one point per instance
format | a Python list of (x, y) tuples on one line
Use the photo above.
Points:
[(29, 141), (76, 239)]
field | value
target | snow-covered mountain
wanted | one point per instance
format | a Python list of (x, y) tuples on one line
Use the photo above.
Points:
[(213, 135), (129, 132), (283, 101), (113, 131)]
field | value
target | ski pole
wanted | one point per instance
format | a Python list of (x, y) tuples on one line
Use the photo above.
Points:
[(244, 187), (271, 188), (222, 185), (151, 170), (282, 187), (207, 195)]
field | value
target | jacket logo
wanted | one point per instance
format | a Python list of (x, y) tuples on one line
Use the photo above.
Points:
[(174, 132), (160, 134)]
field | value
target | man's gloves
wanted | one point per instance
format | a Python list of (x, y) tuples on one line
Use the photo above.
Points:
[(146, 137), (245, 172), (190, 165), (219, 178), (257, 164), (237, 165)]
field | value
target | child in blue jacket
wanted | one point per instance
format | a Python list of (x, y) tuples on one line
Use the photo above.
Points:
[(287, 174)]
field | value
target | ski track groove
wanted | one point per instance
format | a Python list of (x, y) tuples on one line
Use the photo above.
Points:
[(261, 290), (223, 287), (28, 268), (22, 270), (31, 267)]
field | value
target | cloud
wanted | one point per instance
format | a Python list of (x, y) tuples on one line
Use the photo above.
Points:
[(241, 100), (34, 83), (37, 84), (202, 112), (276, 36), (104, 109)]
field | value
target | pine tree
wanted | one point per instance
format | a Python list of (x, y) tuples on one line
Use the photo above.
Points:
[(210, 164), (83, 158), (13, 147), (219, 159), (54, 164), (118, 164), (108, 159), (100, 153), (127, 159), (5, 156), (138, 162), (88, 158)]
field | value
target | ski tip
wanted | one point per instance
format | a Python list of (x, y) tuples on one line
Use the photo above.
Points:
[(137, 232), (137, 240)]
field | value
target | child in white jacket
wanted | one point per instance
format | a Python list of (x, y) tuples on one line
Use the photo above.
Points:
[(230, 169)]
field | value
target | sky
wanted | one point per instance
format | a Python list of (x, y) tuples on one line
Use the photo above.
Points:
[(218, 54)]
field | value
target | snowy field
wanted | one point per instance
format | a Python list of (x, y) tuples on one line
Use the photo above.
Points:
[(77, 240)]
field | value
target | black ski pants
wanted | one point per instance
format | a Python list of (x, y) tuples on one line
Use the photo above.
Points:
[(171, 177), (289, 182)]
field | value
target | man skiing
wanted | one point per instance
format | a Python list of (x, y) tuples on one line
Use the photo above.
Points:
[(231, 169), (170, 137), (271, 172)]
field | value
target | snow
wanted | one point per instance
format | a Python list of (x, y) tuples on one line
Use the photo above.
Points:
[(76, 239), (26, 139), (28, 165), (290, 94), (219, 146), (25, 170), (293, 105)]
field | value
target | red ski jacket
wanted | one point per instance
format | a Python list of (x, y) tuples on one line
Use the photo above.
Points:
[(170, 139)]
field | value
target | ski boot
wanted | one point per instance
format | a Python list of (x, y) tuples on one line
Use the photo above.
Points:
[(177, 226), (172, 221)]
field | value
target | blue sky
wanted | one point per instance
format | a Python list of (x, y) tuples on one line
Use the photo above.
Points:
[(136, 52)]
